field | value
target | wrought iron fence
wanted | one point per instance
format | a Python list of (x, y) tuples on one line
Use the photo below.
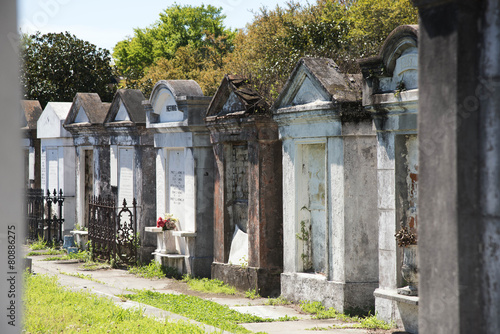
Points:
[(44, 214), (113, 230)]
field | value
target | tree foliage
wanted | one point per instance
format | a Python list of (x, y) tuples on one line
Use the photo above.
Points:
[(57, 66), (192, 43), (182, 44), (344, 30)]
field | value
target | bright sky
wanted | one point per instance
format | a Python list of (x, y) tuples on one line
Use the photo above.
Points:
[(106, 22)]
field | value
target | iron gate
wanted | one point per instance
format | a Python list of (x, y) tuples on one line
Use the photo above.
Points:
[(44, 214), (113, 231)]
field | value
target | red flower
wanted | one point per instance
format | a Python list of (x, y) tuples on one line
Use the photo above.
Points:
[(160, 222)]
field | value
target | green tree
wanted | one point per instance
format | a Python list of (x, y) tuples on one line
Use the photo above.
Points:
[(57, 66), (199, 29), (344, 30)]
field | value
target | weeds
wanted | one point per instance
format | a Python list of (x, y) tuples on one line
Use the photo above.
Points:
[(154, 270), (320, 312), (50, 251), (252, 294), (208, 285), (277, 301), (83, 276), (39, 244)]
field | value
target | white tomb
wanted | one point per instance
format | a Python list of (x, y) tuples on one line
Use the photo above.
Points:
[(390, 93), (57, 163), (184, 172), (329, 188)]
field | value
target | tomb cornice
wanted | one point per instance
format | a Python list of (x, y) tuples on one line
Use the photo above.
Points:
[(388, 103), (174, 127)]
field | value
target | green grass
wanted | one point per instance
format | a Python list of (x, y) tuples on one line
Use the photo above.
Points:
[(208, 285), (49, 251), (320, 312), (50, 308), (154, 270), (83, 256), (83, 276), (201, 310)]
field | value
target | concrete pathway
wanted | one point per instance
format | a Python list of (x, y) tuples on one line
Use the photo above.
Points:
[(114, 282)]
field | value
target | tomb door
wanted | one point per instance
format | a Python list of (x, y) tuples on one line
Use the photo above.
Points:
[(125, 176), (88, 182), (311, 226), (53, 169), (176, 184), (236, 177), (237, 186)]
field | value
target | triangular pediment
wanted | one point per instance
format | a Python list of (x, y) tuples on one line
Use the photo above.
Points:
[(122, 114), (81, 116), (233, 104), (303, 89), (307, 92)]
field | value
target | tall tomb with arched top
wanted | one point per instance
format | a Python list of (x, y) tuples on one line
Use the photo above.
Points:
[(184, 173), (390, 94)]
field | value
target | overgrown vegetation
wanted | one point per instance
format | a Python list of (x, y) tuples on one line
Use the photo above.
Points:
[(154, 270), (252, 294), (356, 321), (49, 308), (39, 244), (83, 256), (208, 285), (201, 310), (48, 251)]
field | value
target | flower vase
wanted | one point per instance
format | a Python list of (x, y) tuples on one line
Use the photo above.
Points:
[(409, 271), (168, 243)]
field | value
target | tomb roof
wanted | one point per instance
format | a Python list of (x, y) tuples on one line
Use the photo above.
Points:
[(95, 110), (132, 100), (399, 40), (326, 83), (32, 111), (245, 99), (179, 88), (50, 122)]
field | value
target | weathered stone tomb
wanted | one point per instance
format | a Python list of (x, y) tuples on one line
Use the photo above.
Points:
[(57, 162), (329, 188), (91, 146), (30, 112), (248, 208), (390, 93), (184, 174), (132, 162)]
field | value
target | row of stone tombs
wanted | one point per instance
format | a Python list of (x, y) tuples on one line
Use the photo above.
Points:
[(288, 198)]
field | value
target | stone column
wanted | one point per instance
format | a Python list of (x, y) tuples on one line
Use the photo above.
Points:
[(459, 146)]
